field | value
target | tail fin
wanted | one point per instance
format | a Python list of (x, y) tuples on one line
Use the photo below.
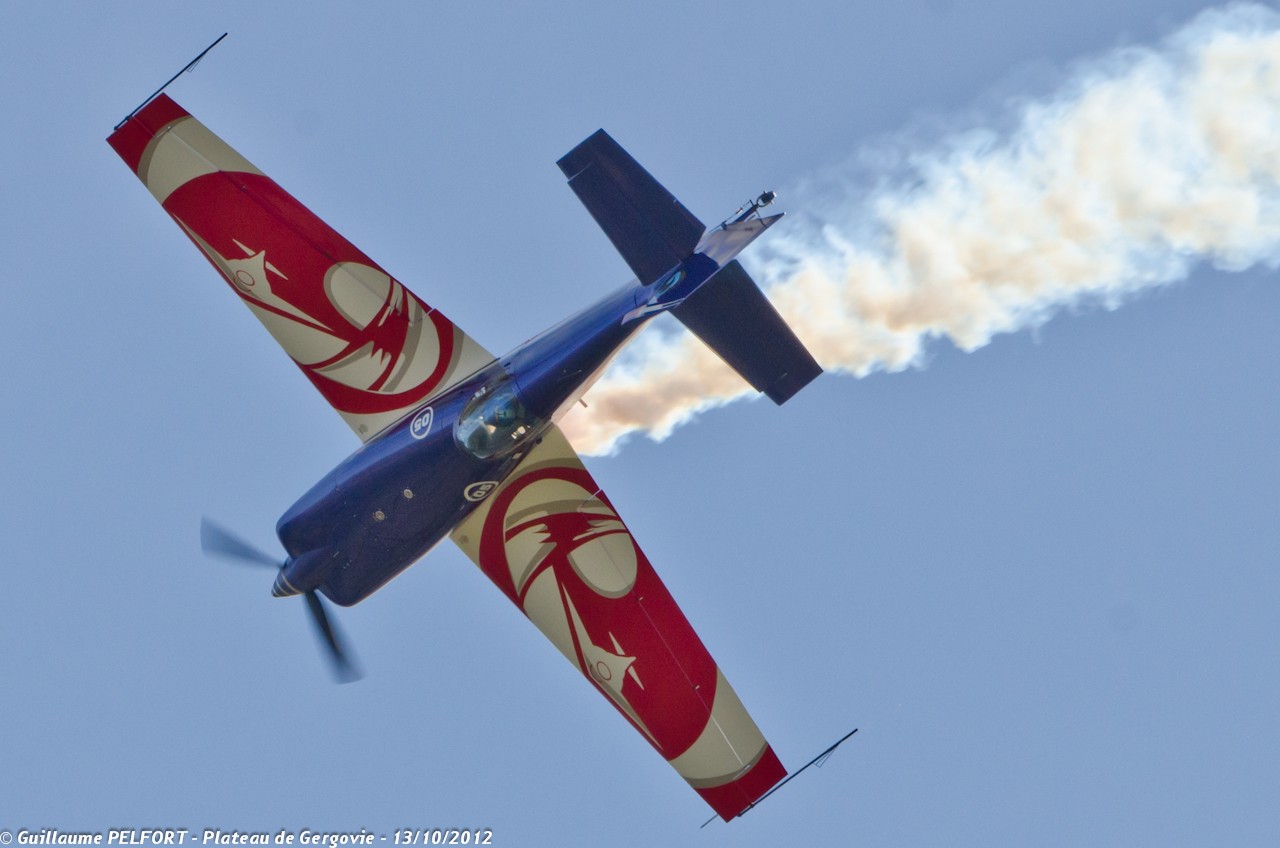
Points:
[(717, 300), (734, 318), (648, 226)]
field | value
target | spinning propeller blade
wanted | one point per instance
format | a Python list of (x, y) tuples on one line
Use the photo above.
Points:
[(343, 669), (217, 541)]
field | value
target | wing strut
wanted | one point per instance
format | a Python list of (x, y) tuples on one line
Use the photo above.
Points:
[(188, 67), (818, 761)]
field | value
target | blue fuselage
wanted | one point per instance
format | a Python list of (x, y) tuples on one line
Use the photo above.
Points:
[(392, 500)]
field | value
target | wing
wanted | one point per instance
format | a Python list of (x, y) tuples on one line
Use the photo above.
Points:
[(549, 538), (372, 348)]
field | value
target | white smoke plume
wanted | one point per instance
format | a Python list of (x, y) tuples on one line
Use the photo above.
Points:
[(1146, 163)]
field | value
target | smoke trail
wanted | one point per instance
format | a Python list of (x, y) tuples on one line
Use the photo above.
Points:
[(1147, 162)]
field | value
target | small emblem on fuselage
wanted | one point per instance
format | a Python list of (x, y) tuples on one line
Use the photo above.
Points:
[(420, 426), (479, 491)]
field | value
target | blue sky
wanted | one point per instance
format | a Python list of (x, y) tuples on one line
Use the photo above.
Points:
[(1040, 577)]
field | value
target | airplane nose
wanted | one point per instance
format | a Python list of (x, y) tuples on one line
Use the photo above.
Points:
[(282, 588), (302, 573)]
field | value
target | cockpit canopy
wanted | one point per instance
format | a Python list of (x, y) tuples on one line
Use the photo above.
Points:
[(494, 422)]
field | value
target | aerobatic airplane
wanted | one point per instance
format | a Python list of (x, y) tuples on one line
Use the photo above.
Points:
[(460, 443)]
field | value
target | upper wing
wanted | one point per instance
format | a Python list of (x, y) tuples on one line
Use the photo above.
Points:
[(549, 538), (372, 348)]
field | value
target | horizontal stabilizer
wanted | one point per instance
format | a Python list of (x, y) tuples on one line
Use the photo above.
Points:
[(647, 225), (734, 318)]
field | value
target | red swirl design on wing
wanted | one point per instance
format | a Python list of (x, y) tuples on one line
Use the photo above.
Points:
[(240, 215), (668, 678)]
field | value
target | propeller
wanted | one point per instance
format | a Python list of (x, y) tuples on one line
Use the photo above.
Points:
[(217, 541)]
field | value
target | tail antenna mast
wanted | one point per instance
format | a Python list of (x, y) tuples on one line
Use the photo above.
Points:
[(818, 761), (190, 65)]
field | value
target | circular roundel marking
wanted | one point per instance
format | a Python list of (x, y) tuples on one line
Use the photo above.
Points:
[(603, 671), (671, 282), (479, 491), (420, 426), (245, 279)]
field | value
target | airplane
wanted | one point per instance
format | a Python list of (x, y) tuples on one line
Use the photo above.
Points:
[(457, 442)]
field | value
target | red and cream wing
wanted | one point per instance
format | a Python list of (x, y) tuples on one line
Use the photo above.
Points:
[(372, 348), (549, 538)]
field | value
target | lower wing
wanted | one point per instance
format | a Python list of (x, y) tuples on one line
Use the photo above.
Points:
[(549, 538)]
